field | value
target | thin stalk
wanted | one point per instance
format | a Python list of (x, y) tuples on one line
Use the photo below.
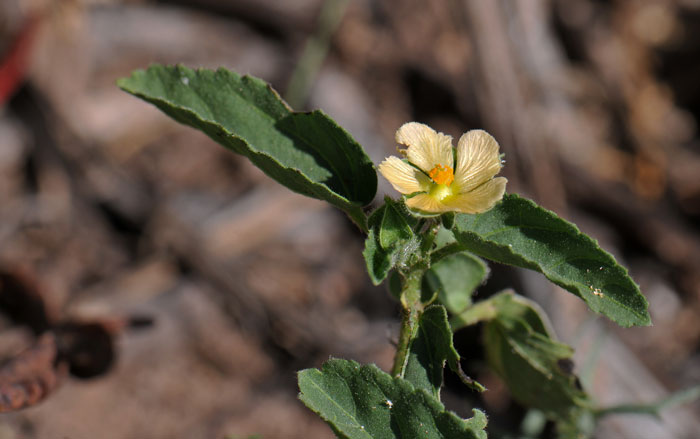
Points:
[(681, 397), (314, 53)]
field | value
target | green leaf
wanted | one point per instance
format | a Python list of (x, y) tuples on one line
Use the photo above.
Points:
[(366, 403), (394, 229), (448, 219), (379, 262), (391, 241), (455, 278), (520, 233), (444, 237), (307, 152), (537, 369), (508, 304), (394, 285), (429, 351), (580, 425)]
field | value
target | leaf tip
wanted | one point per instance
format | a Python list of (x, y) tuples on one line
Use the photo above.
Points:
[(644, 320), (124, 83)]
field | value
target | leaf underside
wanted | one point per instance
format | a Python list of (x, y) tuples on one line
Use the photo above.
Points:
[(518, 232), (537, 369), (455, 278)]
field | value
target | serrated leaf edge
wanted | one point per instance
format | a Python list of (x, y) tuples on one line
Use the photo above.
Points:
[(477, 421), (644, 318)]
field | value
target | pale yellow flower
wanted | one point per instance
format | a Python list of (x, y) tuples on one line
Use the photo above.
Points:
[(434, 181)]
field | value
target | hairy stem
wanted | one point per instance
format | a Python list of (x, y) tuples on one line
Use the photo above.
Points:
[(429, 238), (409, 327), (412, 308), (446, 251)]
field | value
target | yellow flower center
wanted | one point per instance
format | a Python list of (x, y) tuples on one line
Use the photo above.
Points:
[(440, 192), (442, 175)]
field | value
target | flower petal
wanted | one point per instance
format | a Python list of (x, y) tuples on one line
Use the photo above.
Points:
[(404, 177), (426, 203), (480, 199), (426, 147), (477, 159)]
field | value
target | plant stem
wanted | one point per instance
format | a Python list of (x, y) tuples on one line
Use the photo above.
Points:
[(429, 238), (411, 299), (409, 328), (678, 398), (314, 53), (412, 308), (446, 251)]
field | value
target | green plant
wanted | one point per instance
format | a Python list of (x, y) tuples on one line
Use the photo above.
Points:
[(428, 246)]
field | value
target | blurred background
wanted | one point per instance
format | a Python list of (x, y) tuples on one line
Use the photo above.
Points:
[(182, 288)]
